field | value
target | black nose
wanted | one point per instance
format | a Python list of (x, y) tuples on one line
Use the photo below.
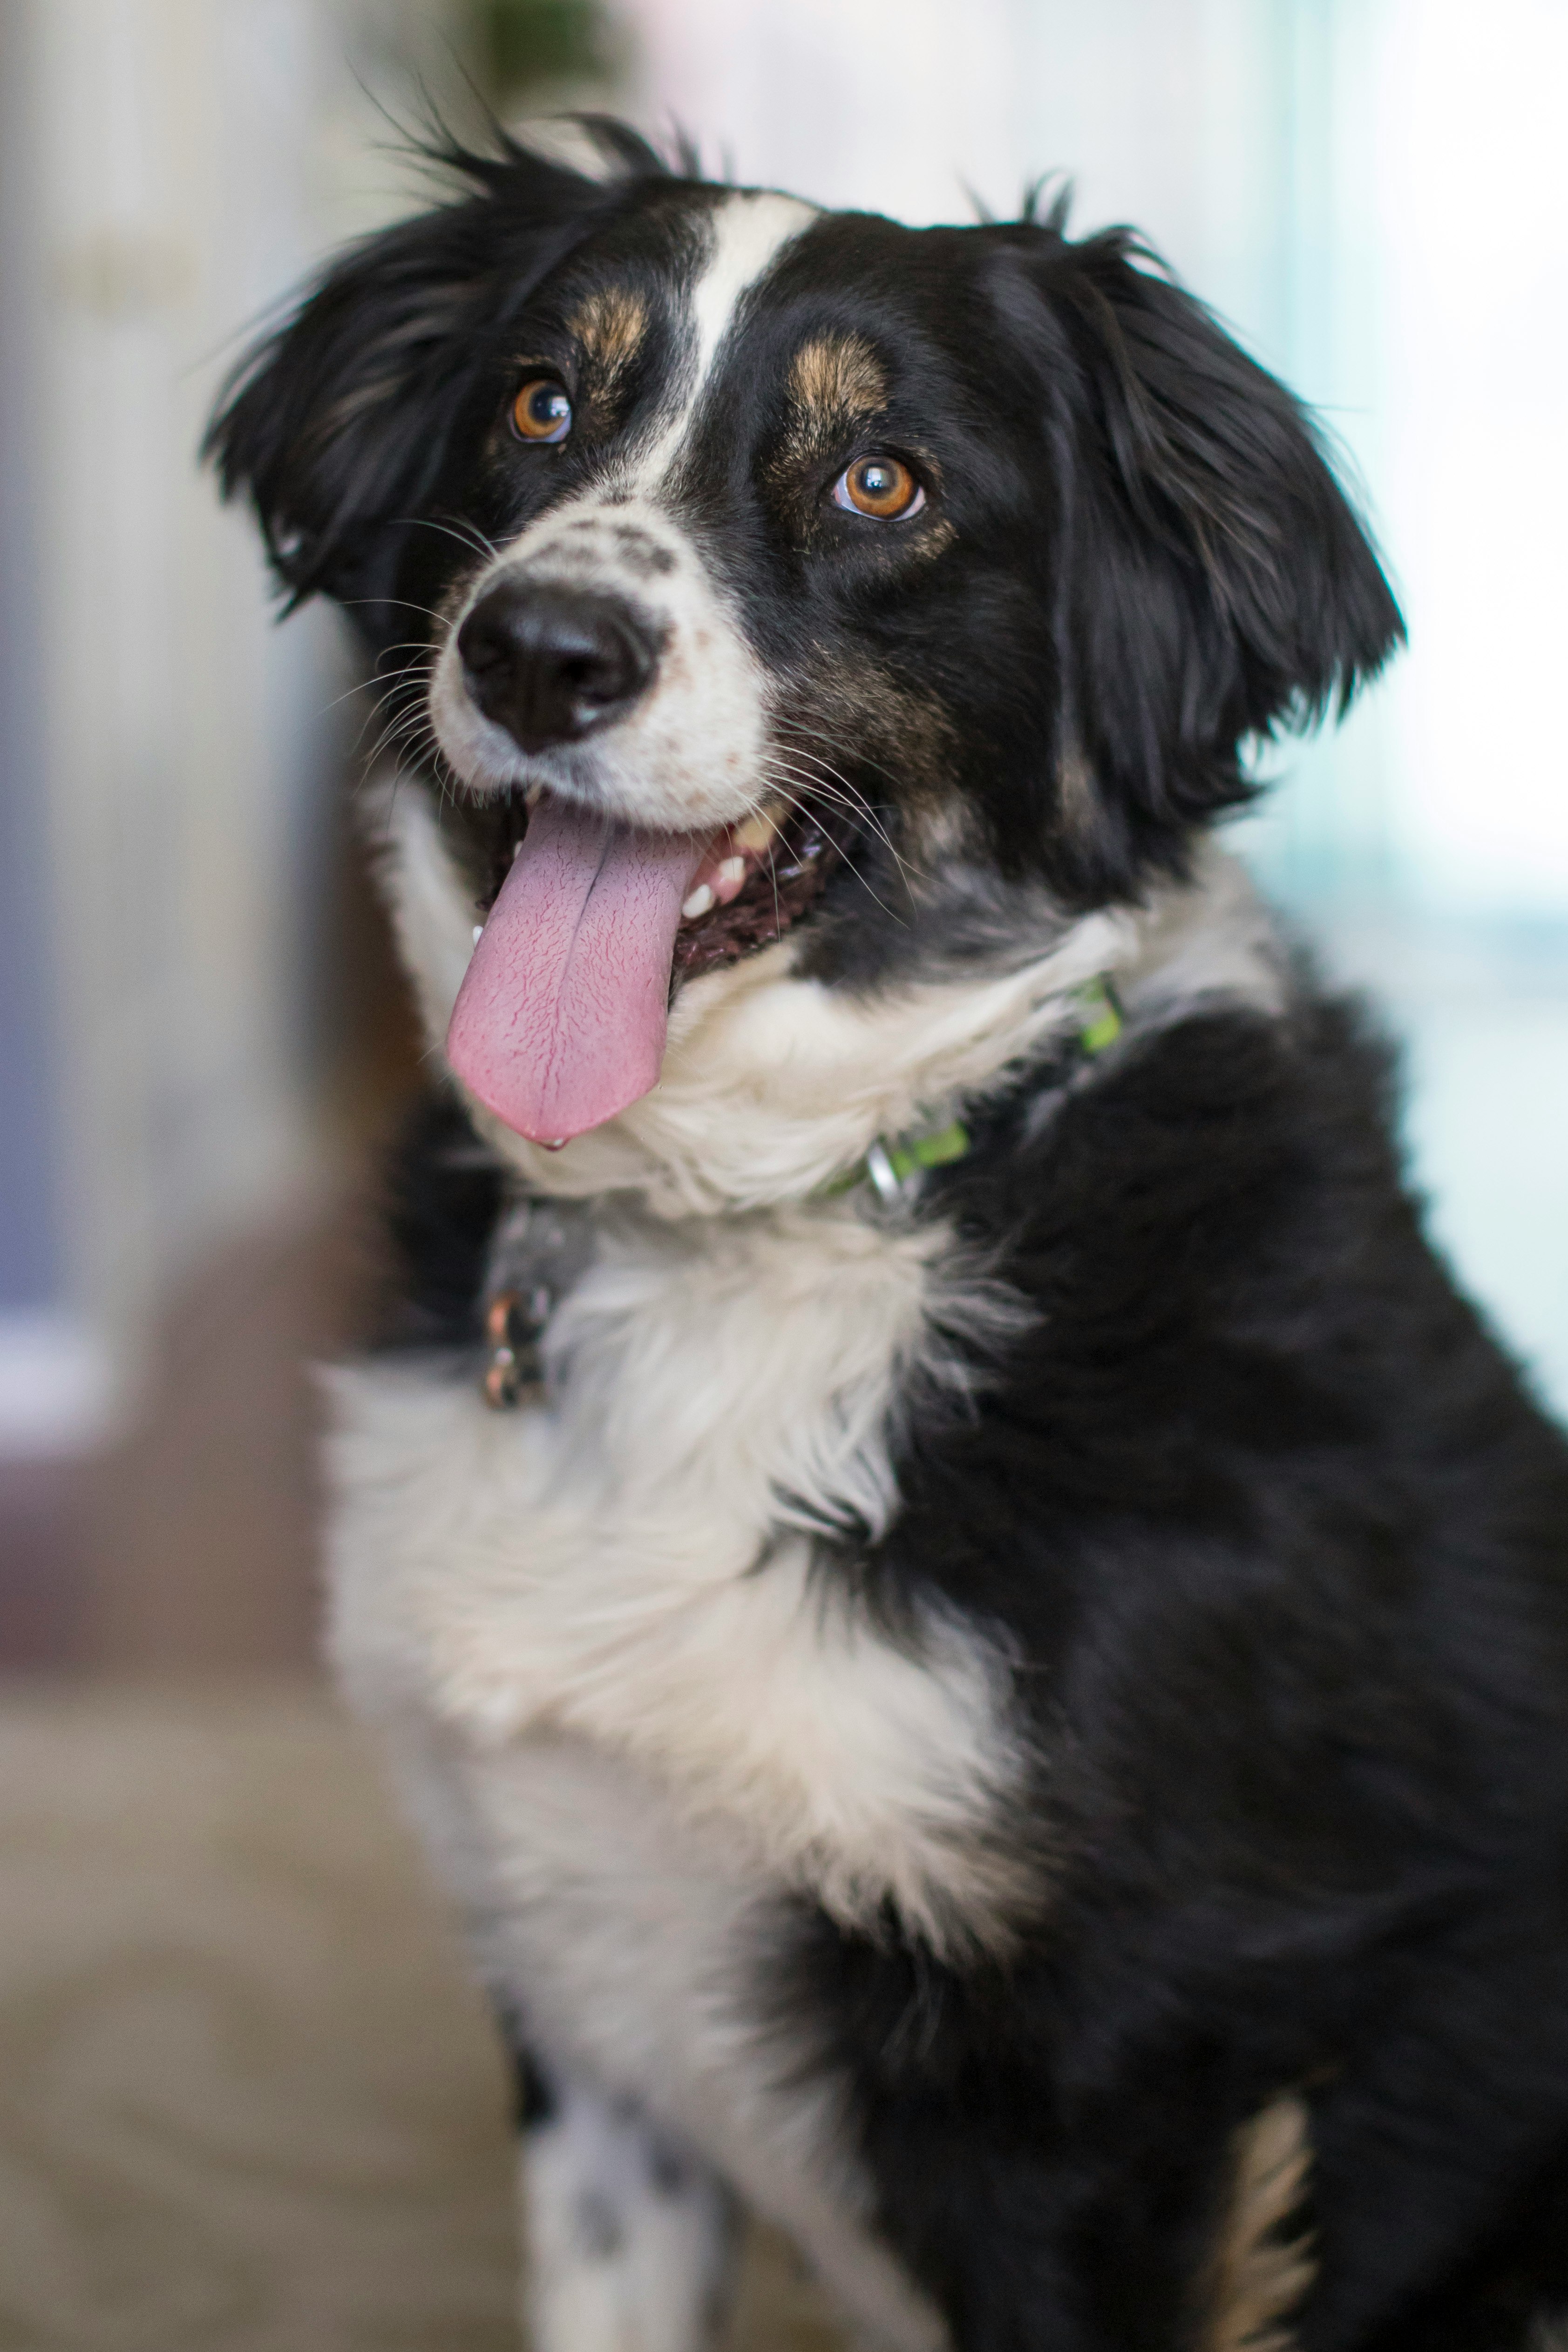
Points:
[(552, 664)]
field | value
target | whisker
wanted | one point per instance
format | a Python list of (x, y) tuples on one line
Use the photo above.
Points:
[(407, 603), (392, 732), (380, 690), (800, 751), (841, 798), (831, 782), (800, 732), (412, 729), (854, 803), (361, 686), (805, 810), (469, 535)]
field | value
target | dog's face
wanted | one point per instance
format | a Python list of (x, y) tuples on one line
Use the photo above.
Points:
[(900, 592)]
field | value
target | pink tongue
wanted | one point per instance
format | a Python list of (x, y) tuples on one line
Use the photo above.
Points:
[(560, 1021)]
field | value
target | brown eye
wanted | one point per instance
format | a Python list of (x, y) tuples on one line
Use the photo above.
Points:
[(883, 487), (541, 412)]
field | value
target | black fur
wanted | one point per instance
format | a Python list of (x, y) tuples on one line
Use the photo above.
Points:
[(1283, 1540), (1278, 1538), (443, 1195)]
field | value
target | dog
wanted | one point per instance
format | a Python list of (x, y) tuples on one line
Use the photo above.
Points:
[(977, 1631)]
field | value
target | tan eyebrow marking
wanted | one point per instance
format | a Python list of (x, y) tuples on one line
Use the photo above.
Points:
[(838, 377), (834, 382), (610, 326)]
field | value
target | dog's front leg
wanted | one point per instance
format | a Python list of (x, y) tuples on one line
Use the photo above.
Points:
[(628, 2241)]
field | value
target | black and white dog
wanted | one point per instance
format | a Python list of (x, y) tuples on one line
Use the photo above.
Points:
[(1000, 1694)]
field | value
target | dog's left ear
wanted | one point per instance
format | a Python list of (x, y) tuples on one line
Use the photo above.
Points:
[(1212, 581)]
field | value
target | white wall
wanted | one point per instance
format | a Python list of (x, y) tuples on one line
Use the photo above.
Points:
[(885, 105), (1472, 211), (168, 202), (1376, 193), (171, 169)]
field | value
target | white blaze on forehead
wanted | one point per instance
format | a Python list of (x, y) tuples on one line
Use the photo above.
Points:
[(690, 754), (749, 232)]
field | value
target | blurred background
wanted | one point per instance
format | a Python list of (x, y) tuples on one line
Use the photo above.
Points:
[(200, 1031), (248, 2098)]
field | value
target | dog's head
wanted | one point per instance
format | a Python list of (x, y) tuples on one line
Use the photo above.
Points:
[(889, 595)]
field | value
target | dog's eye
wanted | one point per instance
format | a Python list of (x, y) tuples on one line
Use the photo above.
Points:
[(883, 487), (541, 411)]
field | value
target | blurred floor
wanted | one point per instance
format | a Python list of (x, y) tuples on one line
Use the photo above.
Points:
[(249, 2101)]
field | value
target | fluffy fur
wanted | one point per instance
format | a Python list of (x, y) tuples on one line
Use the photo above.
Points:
[(1020, 1730)]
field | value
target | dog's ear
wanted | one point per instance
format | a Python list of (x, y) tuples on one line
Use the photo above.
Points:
[(337, 424), (1211, 582)]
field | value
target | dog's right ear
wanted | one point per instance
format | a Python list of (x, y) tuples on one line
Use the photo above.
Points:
[(336, 425)]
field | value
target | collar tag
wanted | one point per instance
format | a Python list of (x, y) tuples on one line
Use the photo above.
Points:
[(893, 1167), (884, 1178)]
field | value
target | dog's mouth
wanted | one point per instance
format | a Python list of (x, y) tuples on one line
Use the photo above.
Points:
[(756, 879), (591, 925)]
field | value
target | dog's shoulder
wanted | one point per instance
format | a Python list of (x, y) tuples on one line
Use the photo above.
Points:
[(1250, 1448)]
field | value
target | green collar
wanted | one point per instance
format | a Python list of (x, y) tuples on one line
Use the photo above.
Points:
[(515, 1318), (893, 1166)]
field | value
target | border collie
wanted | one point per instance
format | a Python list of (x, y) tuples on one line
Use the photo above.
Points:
[(979, 1634)]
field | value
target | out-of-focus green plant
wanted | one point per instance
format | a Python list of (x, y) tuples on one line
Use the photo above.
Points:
[(523, 46)]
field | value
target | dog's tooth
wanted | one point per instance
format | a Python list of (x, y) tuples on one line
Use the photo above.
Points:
[(755, 834), (731, 874), (478, 933), (701, 899)]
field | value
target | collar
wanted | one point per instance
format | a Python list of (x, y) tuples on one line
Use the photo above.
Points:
[(893, 1166)]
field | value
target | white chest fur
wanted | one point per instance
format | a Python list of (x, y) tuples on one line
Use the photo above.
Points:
[(628, 1566)]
